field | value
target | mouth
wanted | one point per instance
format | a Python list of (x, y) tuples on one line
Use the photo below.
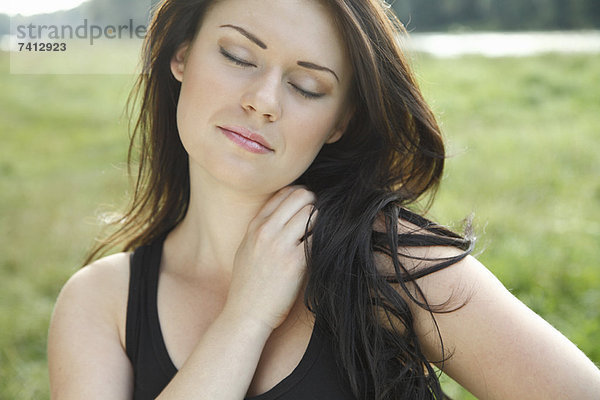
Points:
[(247, 139)]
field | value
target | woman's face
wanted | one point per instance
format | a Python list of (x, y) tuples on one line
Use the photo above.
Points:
[(264, 86)]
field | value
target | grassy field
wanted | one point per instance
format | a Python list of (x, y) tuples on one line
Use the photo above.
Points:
[(523, 136)]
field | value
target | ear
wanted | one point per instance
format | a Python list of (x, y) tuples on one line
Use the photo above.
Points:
[(341, 127), (178, 61)]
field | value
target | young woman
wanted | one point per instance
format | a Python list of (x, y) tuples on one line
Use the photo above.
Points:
[(268, 250)]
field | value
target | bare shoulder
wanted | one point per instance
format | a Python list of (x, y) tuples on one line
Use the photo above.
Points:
[(100, 290), (417, 259), (102, 286), (86, 342), (102, 274)]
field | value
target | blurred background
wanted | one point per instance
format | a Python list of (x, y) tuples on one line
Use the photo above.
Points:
[(515, 85)]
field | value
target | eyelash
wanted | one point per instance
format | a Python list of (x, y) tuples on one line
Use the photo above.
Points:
[(235, 60), (306, 94), (241, 63)]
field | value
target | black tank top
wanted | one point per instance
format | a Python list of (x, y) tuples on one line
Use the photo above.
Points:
[(317, 376)]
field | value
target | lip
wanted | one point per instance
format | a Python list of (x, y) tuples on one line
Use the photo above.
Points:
[(247, 139)]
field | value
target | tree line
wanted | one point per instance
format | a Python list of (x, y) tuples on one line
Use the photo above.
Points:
[(417, 15), (442, 15)]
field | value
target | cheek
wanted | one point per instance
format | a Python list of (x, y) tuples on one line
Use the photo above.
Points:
[(311, 131), (314, 126), (201, 92), (201, 87)]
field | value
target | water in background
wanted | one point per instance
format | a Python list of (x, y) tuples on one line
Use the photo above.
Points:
[(504, 44)]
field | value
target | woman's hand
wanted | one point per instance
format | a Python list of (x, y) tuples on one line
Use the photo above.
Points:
[(270, 263)]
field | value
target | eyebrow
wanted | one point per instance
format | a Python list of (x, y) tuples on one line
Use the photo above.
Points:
[(250, 36), (263, 46), (310, 65)]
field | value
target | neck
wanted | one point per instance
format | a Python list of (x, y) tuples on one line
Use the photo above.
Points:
[(215, 224)]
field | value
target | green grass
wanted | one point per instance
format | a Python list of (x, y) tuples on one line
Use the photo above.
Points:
[(61, 159), (523, 135)]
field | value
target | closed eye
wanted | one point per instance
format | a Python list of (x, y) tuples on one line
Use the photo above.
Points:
[(305, 93), (234, 59)]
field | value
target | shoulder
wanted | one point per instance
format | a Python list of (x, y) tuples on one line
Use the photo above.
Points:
[(86, 340), (422, 245), (104, 277), (98, 290), (438, 278)]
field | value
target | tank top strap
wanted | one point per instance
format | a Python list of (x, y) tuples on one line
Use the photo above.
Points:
[(144, 267)]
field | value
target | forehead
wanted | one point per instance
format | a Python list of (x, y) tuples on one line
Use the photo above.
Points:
[(303, 27)]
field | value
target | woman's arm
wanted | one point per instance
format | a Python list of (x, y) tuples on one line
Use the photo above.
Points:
[(86, 351), (499, 348)]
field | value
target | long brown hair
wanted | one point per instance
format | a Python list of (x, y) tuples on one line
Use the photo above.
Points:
[(391, 154)]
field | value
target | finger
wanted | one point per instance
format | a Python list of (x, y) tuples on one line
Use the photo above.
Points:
[(275, 201), (312, 218), (295, 229), (307, 242), (292, 204)]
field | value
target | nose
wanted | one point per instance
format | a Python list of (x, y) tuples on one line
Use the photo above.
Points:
[(262, 96)]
